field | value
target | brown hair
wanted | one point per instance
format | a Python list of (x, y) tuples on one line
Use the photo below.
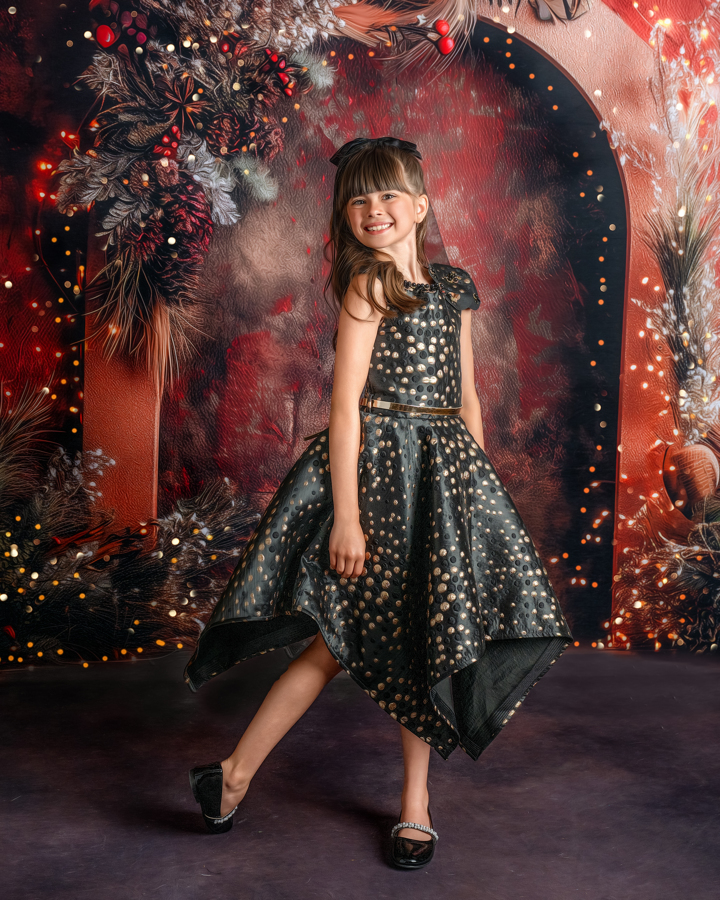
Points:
[(373, 168)]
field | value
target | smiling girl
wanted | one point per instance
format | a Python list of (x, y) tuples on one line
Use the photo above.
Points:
[(391, 545)]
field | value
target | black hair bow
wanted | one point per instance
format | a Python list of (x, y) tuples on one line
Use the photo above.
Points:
[(342, 155)]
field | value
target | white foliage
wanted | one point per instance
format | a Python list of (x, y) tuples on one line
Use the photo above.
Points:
[(213, 175)]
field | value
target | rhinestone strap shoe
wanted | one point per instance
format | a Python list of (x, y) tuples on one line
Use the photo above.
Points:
[(410, 854), (207, 784)]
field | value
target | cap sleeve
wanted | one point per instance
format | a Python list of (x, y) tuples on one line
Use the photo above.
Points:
[(459, 286)]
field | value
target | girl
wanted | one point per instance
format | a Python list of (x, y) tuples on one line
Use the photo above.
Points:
[(391, 539)]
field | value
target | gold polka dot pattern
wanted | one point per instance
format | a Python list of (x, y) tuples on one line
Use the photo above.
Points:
[(453, 619)]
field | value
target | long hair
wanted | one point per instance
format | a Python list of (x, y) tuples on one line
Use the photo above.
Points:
[(375, 168)]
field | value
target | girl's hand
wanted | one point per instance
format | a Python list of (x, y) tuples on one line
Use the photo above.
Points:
[(347, 548)]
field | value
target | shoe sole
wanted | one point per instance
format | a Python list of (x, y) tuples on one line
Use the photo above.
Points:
[(408, 868)]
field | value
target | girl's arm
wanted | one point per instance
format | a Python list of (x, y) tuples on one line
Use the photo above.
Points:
[(352, 362), (470, 411)]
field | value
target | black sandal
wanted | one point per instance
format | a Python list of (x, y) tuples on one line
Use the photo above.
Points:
[(411, 854), (207, 783)]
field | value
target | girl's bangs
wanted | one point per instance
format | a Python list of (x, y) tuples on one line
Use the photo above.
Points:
[(373, 172)]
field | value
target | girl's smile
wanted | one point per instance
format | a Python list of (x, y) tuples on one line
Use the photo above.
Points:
[(387, 221)]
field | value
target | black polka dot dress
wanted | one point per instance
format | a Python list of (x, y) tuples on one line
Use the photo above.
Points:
[(454, 619)]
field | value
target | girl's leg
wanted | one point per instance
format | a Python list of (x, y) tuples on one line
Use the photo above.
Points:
[(291, 695), (416, 756)]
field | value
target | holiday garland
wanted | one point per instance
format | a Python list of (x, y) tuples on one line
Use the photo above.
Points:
[(70, 589), (191, 100)]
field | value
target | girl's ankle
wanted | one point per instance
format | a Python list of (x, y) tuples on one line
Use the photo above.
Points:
[(419, 799), (234, 779)]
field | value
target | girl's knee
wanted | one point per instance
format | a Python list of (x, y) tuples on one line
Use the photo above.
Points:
[(322, 657)]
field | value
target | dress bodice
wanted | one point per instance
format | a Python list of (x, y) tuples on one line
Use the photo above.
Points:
[(416, 355)]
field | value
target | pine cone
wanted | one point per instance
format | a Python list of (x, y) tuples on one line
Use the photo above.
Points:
[(142, 178), (269, 139), (171, 268), (227, 133), (187, 218), (167, 175)]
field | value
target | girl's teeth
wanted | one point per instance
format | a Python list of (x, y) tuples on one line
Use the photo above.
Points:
[(378, 227)]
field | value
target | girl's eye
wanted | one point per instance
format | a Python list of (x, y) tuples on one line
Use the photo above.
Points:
[(385, 197)]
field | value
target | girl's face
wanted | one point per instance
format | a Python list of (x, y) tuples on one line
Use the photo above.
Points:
[(385, 219)]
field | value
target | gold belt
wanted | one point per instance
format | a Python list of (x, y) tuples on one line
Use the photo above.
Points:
[(406, 407), (403, 407)]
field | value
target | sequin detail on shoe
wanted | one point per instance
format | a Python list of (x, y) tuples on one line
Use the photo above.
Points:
[(401, 825)]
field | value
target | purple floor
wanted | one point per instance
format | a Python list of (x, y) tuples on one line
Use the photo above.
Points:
[(603, 787)]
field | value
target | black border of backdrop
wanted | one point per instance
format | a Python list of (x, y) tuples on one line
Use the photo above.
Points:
[(576, 128)]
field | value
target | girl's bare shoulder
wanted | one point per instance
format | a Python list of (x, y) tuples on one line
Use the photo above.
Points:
[(356, 302)]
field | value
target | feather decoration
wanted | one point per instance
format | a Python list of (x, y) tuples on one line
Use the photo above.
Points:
[(23, 421), (680, 238), (406, 27)]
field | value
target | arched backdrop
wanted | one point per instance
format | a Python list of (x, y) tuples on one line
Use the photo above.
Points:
[(527, 194)]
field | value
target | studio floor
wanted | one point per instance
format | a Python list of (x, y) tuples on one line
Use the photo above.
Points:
[(604, 786)]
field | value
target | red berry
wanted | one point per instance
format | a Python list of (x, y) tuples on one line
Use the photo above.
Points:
[(288, 91), (274, 57), (225, 47), (165, 139), (442, 26), (445, 45), (281, 64), (283, 77), (105, 36)]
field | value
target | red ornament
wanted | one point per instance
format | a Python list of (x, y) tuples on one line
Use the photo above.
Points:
[(442, 26), (445, 45), (9, 630), (105, 36)]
